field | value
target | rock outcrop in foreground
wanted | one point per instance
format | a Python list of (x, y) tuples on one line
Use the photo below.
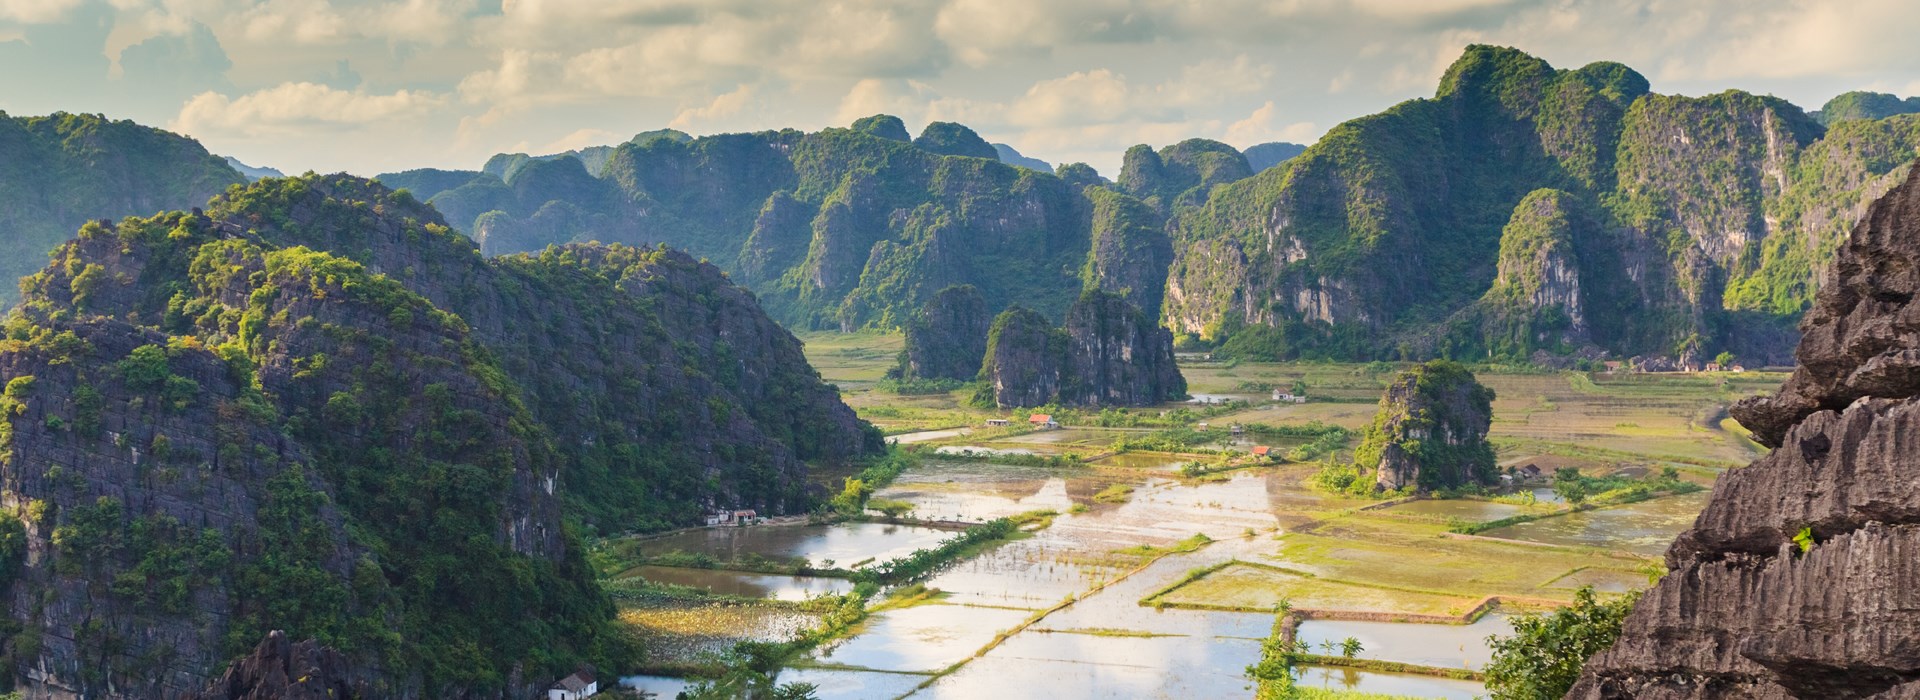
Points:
[(1108, 354), (280, 669), (1748, 611), (1431, 430)]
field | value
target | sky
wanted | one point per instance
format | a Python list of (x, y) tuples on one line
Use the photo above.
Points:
[(370, 87)]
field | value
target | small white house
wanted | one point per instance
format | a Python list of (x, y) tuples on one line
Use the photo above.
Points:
[(579, 685), (997, 422)]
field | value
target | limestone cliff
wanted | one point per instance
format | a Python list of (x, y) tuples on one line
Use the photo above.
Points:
[(1130, 250), (948, 338), (62, 170), (1430, 431), (317, 409), (1797, 579), (1709, 220), (1119, 355), (1537, 299), (1182, 172), (1107, 354)]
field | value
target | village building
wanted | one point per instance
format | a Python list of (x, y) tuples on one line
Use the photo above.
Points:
[(997, 422), (1042, 420), (1530, 473), (579, 685), (1262, 451)]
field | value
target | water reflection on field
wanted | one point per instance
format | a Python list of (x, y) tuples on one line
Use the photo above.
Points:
[(843, 544), (741, 583), (1339, 678), (682, 632), (1647, 527), (1081, 580), (1468, 510), (924, 638), (1445, 646)]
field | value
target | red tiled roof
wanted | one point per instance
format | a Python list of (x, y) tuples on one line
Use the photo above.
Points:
[(1261, 450), (1040, 418)]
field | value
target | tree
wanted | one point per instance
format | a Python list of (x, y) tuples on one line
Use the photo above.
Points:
[(1569, 485), (1725, 359), (1351, 647), (1543, 657)]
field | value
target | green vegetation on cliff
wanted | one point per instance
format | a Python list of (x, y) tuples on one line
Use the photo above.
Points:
[(1430, 432), (318, 409), (63, 170), (1696, 224)]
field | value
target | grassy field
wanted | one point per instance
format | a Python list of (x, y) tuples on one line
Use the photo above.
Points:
[(1326, 554), (1602, 423)]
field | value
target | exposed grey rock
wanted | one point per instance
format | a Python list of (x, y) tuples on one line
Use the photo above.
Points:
[(1749, 612)]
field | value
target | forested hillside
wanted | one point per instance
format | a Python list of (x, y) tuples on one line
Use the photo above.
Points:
[(843, 228), (62, 170), (1681, 226), (317, 409)]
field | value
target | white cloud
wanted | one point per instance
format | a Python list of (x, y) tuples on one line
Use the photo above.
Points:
[(721, 108), (36, 11), (299, 108), (1265, 124)]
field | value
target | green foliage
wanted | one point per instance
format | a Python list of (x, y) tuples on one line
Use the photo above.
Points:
[(1439, 397), (85, 168), (1803, 540), (1543, 657), (923, 562), (1273, 674)]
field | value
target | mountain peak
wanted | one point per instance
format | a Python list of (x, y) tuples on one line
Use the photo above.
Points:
[(885, 126), (1483, 65), (951, 139)]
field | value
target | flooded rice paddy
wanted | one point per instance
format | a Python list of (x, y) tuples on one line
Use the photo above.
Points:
[(1442, 646), (1094, 605), (742, 583), (845, 545), (1647, 527)]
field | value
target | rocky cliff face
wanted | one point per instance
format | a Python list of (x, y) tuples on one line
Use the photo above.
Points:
[(281, 669), (1430, 431), (214, 427), (63, 170), (1182, 172), (1537, 299), (948, 339), (1130, 250), (1795, 582), (1026, 360), (1705, 231), (1107, 354), (1118, 354)]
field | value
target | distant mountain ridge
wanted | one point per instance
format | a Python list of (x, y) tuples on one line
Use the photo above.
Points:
[(62, 170), (252, 173), (1677, 227), (1702, 224), (843, 228)]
